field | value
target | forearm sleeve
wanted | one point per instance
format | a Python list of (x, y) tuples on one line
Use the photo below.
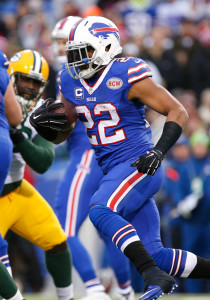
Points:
[(38, 154), (171, 133)]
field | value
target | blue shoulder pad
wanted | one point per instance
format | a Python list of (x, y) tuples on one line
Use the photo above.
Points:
[(3, 60), (64, 82), (138, 70), (4, 78)]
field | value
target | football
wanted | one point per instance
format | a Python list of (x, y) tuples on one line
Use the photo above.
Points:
[(71, 116)]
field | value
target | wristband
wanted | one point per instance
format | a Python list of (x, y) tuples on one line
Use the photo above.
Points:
[(171, 133)]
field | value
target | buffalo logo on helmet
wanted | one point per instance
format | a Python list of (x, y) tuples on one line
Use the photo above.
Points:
[(101, 29)]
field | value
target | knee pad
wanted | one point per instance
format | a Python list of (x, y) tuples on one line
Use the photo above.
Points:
[(58, 248)]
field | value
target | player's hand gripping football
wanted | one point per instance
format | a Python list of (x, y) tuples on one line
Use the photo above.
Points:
[(43, 116), (149, 162)]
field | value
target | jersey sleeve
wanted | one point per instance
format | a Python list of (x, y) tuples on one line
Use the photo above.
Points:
[(3, 60), (4, 78), (64, 82), (138, 70)]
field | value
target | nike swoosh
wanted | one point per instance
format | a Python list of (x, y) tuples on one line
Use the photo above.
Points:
[(150, 291), (35, 117)]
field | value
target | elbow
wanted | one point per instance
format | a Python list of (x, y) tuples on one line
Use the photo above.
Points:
[(47, 163), (179, 115), (183, 115), (41, 169), (44, 165)]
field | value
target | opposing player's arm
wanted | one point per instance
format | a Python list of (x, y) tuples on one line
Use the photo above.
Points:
[(39, 154), (160, 100), (13, 109)]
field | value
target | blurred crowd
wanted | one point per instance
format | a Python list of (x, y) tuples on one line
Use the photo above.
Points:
[(173, 36)]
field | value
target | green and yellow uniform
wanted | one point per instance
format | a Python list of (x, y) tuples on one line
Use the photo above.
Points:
[(22, 208)]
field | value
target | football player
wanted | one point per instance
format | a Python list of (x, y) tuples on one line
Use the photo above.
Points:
[(75, 191), (109, 95), (22, 208), (10, 112), (8, 288)]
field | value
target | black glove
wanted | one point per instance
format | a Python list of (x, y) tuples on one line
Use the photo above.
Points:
[(149, 162), (16, 135), (43, 116)]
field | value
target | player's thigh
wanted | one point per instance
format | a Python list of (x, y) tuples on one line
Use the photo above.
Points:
[(82, 186), (37, 222), (125, 190), (9, 213)]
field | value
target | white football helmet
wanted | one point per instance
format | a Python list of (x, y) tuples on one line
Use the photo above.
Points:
[(61, 31), (98, 34)]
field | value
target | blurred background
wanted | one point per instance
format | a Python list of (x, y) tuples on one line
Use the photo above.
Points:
[(174, 38)]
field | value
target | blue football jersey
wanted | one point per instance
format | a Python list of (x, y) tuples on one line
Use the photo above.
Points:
[(78, 139), (115, 126), (4, 81)]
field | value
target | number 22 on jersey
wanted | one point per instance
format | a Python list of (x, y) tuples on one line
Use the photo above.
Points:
[(103, 124)]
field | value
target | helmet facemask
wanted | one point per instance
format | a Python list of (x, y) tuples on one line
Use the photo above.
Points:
[(57, 45), (59, 38), (82, 60), (30, 95)]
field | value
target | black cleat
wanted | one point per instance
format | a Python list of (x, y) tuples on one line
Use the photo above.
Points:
[(157, 283)]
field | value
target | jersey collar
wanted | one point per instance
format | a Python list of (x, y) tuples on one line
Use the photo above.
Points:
[(92, 89)]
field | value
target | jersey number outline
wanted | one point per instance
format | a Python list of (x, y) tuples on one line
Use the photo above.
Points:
[(103, 124)]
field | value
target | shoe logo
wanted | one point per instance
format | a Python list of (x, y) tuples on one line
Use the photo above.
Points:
[(35, 117), (150, 291)]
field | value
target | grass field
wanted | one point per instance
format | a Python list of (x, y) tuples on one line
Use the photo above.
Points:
[(172, 297)]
